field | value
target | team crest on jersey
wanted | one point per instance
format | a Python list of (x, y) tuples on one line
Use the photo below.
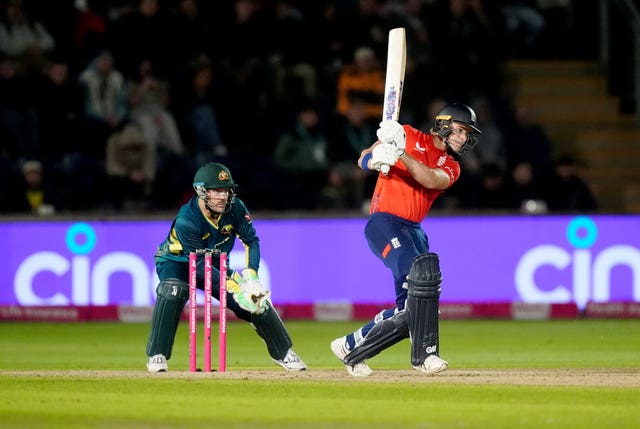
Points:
[(441, 160), (226, 230), (223, 176)]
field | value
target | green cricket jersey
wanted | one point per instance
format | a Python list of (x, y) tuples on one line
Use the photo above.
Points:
[(191, 230)]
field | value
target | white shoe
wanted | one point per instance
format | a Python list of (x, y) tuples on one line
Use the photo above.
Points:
[(339, 349), (432, 365), (291, 362), (157, 363)]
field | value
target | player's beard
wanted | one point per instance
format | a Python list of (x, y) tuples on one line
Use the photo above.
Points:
[(211, 208)]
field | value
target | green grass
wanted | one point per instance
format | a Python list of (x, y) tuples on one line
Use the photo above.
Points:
[(41, 399)]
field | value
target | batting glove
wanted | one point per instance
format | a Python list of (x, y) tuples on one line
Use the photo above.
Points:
[(391, 132), (383, 154)]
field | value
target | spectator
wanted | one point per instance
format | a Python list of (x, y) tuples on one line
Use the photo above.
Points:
[(351, 134), (567, 190), (104, 97), (89, 33), (23, 37), (342, 191), (362, 80), (130, 170), (528, 140), (58, 107), (66, 152), (301, 155), (524, 189), (149, 99), (195, 109), (35, 195)]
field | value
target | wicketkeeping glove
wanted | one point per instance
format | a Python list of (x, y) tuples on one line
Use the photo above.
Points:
[(383, 154), (248, 291), (391, 132)]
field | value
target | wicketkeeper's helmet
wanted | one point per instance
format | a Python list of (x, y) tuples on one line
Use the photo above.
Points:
[(214, 176), (456, 112)]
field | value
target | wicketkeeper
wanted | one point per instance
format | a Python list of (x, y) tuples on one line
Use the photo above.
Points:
[(212, 219), (422, 168)]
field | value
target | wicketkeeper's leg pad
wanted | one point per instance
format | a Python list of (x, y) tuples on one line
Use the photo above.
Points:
[(382, 335), (172, 295), (422, 306), (272, 330)]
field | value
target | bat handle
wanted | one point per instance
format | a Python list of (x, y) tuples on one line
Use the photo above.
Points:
[(384, 168)]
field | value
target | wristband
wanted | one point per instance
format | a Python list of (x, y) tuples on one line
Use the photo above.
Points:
[(365, 162)]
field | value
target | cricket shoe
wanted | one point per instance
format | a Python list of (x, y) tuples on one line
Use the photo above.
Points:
[(339, 348), (291, 362), (157, 363), (432, 365)]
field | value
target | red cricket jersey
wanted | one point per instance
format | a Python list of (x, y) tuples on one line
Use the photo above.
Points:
[(400, 194)]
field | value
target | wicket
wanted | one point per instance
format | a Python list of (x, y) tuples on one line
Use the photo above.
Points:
[(222, 322)]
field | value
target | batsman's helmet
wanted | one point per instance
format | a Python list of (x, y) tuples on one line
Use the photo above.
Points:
[(456, 112), (214, 176)]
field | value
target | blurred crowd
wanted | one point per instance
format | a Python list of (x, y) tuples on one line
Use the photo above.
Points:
[(112, 105)]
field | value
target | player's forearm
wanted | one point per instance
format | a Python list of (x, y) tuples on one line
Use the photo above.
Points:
[(430, 178)]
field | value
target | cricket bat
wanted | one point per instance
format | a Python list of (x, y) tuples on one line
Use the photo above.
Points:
[(394, 79)]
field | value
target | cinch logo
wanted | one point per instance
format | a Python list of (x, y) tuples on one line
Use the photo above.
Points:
[(591, 273), (90, 279)]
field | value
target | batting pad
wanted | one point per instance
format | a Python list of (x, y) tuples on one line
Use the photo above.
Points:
[(382, 335), (272, 330), (172, 295), (422, 306)]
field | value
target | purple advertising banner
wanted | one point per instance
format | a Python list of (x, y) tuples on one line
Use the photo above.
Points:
[(554, 259)]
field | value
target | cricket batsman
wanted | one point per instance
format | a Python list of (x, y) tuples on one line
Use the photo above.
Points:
[(423, 166)]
